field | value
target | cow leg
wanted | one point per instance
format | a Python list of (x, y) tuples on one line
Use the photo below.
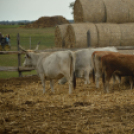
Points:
[(116, 77), (98, 73), (52, 85), (131, 82), (97, 78), (43, 81), (105, 84), (113, 80), (104, 81), (70, 86), (86, 77), (70, 82), (106, 78)]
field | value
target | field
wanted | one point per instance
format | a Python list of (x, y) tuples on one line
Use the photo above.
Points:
[(25, 109), (44, 35)]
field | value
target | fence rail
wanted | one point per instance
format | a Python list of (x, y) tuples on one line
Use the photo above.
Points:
[(64, 49), (20, 68)]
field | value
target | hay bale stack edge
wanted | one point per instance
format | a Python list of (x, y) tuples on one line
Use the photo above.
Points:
[(115, 11), (60, 32)]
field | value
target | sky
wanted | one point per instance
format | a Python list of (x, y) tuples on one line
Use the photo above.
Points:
[(13, 10)]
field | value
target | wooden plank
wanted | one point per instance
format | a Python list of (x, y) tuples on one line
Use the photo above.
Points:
[(21, 68), (11, 52), (5, 68), (64, 49)]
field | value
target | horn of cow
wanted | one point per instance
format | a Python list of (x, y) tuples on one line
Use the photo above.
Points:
[(22, 48), (37, 46)]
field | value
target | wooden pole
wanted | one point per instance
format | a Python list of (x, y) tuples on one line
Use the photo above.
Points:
[(30, 42), (88, 38), (19, 55)]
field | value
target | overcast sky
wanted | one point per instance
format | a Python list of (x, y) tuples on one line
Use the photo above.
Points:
[(34, 9)]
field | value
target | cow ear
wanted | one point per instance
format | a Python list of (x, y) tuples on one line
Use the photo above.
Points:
[(37, 46), (36, 49)]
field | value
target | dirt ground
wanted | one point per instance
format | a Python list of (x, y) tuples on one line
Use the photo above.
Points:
[(24, 109)]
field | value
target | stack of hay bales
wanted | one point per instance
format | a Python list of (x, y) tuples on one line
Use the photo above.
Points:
[(109, 22), (48, 22), (116, 11)]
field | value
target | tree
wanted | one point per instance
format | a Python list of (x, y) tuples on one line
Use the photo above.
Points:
[(72, 6)]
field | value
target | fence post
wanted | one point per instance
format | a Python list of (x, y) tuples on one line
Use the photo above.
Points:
[(88, 38), (30, 42), (19, 55)]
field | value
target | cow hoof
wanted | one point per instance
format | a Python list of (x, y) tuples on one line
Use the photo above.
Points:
[(86, 83)]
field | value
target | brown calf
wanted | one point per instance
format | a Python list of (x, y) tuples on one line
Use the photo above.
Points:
[(116, 63), (96, 62)]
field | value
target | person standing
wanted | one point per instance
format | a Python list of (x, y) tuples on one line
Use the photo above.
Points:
[(8, 39)]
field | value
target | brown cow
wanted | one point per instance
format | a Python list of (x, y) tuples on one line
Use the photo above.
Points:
[(96, 62), (116, 63)]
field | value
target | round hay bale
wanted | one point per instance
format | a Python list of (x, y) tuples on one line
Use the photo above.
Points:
[(118, 11), (89, 11), (76, 35), (108, 34), (60, 32), (127, 34)]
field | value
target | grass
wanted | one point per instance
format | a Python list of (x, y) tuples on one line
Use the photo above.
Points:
[(44, 35)]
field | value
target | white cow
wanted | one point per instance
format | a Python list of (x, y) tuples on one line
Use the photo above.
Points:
[(83, 65), (53, 66)]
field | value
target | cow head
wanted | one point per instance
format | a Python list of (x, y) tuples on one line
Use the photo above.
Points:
[(29, 56)]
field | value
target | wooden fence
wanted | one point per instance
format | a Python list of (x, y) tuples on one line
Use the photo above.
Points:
[(21, 69)]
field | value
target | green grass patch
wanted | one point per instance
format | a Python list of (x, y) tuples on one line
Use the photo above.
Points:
[(44, 35)]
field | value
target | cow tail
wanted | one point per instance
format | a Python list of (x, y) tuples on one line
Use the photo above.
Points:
[(72, 68)]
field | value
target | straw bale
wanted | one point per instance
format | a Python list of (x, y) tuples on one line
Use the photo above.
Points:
[(60, 32), (48, 22), (127, 34), (76, 35), (101, 34), (118, 11), (108, 34), (89, 11)]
